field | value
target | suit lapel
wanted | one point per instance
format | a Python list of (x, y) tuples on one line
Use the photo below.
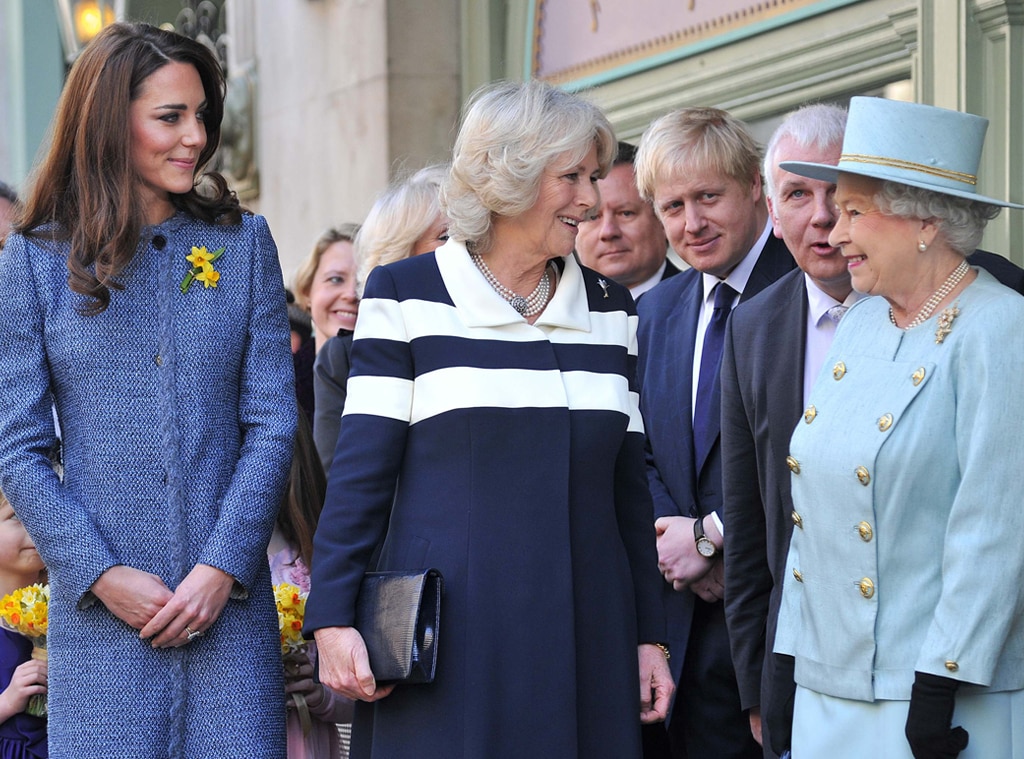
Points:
[(686, 314), (784, 344)]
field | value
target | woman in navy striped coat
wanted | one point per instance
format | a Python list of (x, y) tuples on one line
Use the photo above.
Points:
[(492, 431)]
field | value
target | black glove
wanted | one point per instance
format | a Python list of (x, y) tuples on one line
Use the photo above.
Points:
[(930, 716), (778, 712)]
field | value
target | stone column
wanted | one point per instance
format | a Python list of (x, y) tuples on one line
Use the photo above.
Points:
[(971, 58)]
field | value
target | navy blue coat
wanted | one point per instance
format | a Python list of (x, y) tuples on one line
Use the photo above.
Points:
[(513, 456)]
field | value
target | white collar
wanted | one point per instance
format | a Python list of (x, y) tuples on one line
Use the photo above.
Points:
[(479, 305), (641, 287), (819, 302), (738, 277)]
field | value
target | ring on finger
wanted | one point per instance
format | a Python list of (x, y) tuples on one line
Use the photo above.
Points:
[(192, 634)]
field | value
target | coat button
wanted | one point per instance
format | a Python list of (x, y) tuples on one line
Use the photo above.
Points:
[(867, 588), (952, 666), (799, 577), (918, 376), (809, 414), (798, 520), (793, 464), (885, 422), (158, 360), (839, 371), (159, 242), (863, 475), (865, 532)]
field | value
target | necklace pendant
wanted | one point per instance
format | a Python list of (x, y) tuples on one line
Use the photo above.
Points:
[(519, 304)]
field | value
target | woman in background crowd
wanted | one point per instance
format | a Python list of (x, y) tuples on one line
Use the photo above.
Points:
[(325, 284), (405, 220)]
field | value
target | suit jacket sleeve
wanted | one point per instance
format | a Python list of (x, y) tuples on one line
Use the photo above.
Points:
[(330, 388), (973, 620), (748, 579), (371, 446), (634, 511)]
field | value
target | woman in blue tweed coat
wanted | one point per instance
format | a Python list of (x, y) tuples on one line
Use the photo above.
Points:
[(152, 318), (496, 436)]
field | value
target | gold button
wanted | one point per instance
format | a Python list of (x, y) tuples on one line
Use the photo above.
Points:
[(867, 588), (884, 422), (866, 533), (809, 414), (952, 666), (794, 465), (159, 360), (799, 577), (838, 371), (798, 520), (918, 376), (863, 475)]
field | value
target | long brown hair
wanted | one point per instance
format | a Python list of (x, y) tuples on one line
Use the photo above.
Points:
[(86, 188), (304, 499)]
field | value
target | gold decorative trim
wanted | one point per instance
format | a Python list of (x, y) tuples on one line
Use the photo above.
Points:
[(690, 35), (896, 163)]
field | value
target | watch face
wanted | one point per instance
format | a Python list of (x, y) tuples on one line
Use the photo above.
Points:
[(706, 548)]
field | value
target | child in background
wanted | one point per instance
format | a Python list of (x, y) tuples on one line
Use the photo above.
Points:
[(290, 552), (21, 734)]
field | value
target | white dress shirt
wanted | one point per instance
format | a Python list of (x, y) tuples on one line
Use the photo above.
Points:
[(821, 329)]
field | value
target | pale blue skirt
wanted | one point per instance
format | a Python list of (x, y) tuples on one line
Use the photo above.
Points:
[(825, 727)]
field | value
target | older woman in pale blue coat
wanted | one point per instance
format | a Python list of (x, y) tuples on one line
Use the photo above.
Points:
[(154, 322), (903, 603)]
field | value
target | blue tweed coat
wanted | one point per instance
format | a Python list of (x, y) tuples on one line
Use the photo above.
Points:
[(512, 454), (177, 413)]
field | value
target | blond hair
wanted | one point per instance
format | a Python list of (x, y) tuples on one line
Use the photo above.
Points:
[(511, 133)]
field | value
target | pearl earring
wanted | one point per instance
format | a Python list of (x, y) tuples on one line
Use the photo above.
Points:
[(922, 246)]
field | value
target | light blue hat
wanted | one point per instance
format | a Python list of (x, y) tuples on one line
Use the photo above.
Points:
[(917, 145)]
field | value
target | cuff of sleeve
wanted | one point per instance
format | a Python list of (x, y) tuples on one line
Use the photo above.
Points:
[(718, 522)]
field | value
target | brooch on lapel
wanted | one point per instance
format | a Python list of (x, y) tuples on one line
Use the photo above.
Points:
[(946, 323), (202, 268), (604, 286)]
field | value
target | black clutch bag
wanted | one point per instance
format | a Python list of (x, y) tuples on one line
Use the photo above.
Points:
[(398, 614)]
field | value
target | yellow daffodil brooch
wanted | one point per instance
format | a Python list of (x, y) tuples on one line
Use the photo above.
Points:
[(202, 268)]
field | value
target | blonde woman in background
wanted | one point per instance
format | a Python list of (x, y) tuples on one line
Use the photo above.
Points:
[(405, 220), (325, 284)]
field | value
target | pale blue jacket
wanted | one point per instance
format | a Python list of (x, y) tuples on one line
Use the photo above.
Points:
[(908, 478)]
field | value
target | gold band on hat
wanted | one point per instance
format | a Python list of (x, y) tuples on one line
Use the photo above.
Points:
[(896, 163)]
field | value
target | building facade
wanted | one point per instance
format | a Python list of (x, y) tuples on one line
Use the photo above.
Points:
[(333, 98)]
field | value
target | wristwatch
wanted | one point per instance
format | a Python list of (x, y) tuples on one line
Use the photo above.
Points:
[(705, 547)]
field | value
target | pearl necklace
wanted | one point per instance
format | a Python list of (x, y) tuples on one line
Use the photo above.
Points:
[(938, 296), (529, 305)]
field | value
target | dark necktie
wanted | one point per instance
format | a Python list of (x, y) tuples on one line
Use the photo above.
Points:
[(706, 410)]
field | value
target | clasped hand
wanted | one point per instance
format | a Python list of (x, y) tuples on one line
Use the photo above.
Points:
[(681, 565), (142, 600), (27, 680), (298, 679)]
